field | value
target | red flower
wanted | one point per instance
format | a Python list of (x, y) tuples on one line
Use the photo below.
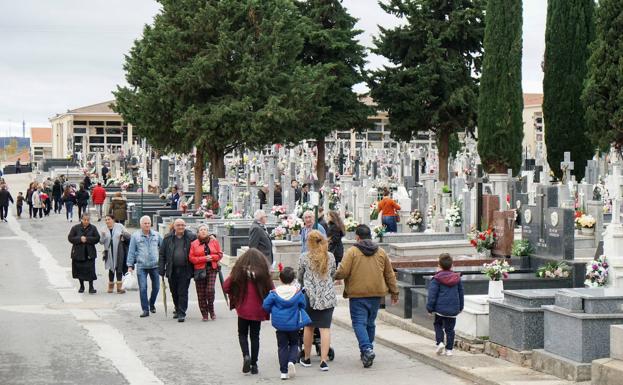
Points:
[(474, 243), (482, 237), (494, 235), (280, 267), (488, 231)]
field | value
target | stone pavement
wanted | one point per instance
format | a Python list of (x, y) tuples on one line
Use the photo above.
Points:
[(50, 334)]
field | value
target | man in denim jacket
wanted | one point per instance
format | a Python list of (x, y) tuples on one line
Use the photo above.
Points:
[(144, 251)]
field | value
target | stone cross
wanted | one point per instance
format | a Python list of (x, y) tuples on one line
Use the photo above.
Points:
[(566, 166)]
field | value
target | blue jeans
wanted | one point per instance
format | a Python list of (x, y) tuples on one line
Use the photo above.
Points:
[(363, 314), (390, 223), (69, 210), (142, 274)]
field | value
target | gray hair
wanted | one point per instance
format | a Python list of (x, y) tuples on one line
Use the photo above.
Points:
[(145, 218), (179, 220), (201, 226), (259, 214), (86, 215), (308, 213)]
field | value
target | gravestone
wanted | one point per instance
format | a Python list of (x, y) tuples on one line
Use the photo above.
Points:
[(504, 227), (566, 166), (559, 239), (490, 204), (591, 175)]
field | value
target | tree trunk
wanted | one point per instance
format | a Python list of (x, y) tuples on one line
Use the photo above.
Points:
[(320, 163), (199, 163), (443, 148)]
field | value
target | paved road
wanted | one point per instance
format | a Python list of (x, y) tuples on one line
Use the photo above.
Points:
[(50, 334)]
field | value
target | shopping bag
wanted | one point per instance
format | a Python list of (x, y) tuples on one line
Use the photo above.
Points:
[(129, 281)]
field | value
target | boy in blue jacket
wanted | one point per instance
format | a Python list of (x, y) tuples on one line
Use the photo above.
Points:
[(286, 305), (445, 301)]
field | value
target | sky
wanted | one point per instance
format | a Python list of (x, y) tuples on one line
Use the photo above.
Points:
[(64, 54)]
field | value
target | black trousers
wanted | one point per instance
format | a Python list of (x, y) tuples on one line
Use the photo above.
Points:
[(444, 324), (37, 211), (111, 275), (246, 327), (58, 205), (288, 348), (179, 282), (4, 211), (30, 209), (82, 209), (19, 211)]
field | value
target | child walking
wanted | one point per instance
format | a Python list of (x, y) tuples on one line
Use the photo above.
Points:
[(247, 285), (445, 301), (20, 204), (286, 304)]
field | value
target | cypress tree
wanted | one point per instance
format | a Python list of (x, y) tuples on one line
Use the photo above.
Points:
[(570, 30), (603, 95), (500, 123)]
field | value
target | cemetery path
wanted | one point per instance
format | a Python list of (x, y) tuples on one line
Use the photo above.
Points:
[(52, 335)]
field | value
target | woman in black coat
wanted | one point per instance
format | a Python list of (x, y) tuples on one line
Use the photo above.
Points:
[(57, 194), (335, 233), (84, 236), (82, 197)]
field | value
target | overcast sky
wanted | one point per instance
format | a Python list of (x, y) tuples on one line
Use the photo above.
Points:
[(63, 54)]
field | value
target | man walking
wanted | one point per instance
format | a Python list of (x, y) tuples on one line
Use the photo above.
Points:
[(258, 236), (143, 252), (5, 198), (367, 274), (98, 195), (18, 166), (175, 265)]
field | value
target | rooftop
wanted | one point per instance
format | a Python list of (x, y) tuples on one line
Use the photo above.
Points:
[(41, 134), (532, 100)]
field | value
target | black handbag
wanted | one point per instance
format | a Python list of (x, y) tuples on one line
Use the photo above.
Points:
[(201, 274)]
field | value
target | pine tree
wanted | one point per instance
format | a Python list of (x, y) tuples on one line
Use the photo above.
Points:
[(570, 30), (500, 107), (603, 95), (432, 84), (332, 42), (219, 74)]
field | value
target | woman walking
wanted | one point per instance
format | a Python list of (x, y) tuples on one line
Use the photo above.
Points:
[(29, 191), (316, 271), (37, 202), (335, 234), (205, 253), (119, 208), (116, 240), (84, 237), (82, 197), (247, 285), (69, 197), (57, 194), (388, 209)]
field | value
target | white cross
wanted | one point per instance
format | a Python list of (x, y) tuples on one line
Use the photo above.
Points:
[(567, 166)]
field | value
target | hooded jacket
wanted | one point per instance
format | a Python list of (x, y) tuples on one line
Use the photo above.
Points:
[(445, 294), (367, 272), (285, 304)]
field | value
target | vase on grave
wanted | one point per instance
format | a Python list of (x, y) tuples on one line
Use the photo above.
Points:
[(484, 254), (590, 231), (350, 235), (495, 289), (294, 236), (454, 229), (415, 229), (278, 237)]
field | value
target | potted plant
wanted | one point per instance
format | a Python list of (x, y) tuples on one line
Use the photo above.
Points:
[(278, 233), (454, 218), (597, 272), (415, 220), (554, 270), (578, 226), (278, 211), (379, 232), (350, 225), (294, 225), (521, 248), (230, 227), (588, 224), (445, 189), (483, 241), (374, 211), (497, 271)]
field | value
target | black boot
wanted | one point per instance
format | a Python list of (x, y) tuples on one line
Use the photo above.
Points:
[(91, 288), (81, 290)]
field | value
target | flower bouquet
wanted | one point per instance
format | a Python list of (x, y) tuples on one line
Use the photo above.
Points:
[(483, 240), (521, 248), (415, 220), (279, 211), (497, 270), (374, 211), (301, 209), (578, 215), (597, 272), (554, 270), (293, 224), (350, 224), (454, 216), (587, 222), (278, 232), (379, 231), (334, 197)]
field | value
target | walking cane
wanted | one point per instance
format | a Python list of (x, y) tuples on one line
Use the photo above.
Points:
[(164, 296)]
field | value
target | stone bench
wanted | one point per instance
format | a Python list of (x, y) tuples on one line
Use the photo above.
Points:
[(427, 250)]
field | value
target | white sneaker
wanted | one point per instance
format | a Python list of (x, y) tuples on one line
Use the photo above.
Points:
[(439, 349), (284, 376), (291, 370), (449, 353)]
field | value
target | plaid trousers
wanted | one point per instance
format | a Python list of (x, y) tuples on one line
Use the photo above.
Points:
[(205, 292)]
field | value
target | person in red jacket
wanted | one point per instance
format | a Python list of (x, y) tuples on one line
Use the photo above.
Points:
[(98, 195), (247, 285), (205, 253)]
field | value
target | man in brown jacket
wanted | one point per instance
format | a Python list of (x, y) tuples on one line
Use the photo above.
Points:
[(368, 276)]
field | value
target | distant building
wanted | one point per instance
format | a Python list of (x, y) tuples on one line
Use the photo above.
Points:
[(89, 130), (41, 143), (533, 126)]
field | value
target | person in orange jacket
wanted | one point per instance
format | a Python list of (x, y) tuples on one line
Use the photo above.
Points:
[(205, 253), (98, 196)]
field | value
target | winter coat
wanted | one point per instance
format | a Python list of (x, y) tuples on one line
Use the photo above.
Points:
[(29, 196), (285, 304), (98, 195), (175, 199), (445, 294), (367, 272), (335, 235), (305, 232), (83, 251), (82, 197), (165, 262), (197, 254), (37, 202), (119, 243), (319, 289), (259, 239), (143, 250), (57, 190), (5, 197), (250, 308), (119, 208)]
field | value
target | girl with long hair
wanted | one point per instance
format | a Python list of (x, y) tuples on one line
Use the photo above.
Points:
[(69, 197), (335, 234), (316, 272), (247, 285)]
